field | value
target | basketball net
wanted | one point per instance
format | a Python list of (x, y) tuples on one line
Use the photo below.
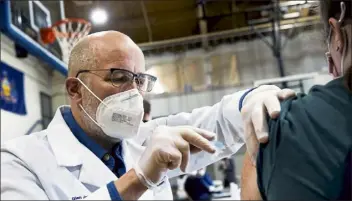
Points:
[(67, 32)]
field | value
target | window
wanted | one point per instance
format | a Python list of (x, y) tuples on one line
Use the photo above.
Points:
[(46, 108)]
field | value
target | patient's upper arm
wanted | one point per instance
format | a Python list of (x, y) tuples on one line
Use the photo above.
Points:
[(249, 186), (305, 158)]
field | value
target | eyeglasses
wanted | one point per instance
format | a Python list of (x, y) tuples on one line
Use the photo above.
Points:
[(123, 78)]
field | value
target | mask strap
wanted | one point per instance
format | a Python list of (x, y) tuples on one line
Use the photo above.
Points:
[(343, 11), (90, 116), (95, 97), (91, 91)]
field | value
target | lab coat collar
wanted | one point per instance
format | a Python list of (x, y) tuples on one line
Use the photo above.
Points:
[(69, 152), (79, 133)]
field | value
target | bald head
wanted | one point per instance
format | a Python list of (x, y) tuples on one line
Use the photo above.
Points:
[(99, 53), (103, 47)]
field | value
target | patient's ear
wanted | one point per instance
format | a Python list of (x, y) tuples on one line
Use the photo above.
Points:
[(249, 186)]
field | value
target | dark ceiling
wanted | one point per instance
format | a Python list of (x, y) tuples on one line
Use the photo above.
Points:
[(168, 19)]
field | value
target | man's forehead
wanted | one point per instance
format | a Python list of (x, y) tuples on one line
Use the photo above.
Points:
[(118, 58), (117, 53)]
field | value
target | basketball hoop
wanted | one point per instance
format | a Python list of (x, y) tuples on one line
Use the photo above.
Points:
[(67, 32)]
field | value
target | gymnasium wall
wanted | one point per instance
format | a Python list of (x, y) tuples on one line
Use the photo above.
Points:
[(37, 79), (227, 69), (59, 95)]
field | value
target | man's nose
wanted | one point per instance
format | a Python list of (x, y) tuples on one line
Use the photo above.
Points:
[(133, 84)]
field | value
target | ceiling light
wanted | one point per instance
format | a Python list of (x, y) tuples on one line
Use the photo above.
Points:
[(99, 16)]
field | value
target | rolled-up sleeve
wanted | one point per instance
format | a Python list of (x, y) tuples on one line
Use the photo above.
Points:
[(305, 156)]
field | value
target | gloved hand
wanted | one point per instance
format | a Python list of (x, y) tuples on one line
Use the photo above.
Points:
[(169, 148), (256, 105)]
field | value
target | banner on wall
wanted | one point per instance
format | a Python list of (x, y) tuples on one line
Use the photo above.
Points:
[(12, 90)]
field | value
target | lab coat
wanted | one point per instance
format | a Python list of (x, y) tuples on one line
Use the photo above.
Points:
[(53, 164)]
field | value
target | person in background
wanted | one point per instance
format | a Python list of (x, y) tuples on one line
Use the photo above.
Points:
[(198, 185), (180, 192), (147, 110), (227, 166), (308, 156)]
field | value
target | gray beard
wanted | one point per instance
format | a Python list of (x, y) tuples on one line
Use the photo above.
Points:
[(95, 132)]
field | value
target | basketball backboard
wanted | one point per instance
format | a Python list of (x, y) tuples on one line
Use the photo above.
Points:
[(31, 16)]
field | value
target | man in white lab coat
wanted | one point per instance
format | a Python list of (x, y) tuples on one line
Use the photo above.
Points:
[(92, 148)]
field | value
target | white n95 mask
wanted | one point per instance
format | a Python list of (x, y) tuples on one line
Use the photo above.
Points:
[(119, 115)]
